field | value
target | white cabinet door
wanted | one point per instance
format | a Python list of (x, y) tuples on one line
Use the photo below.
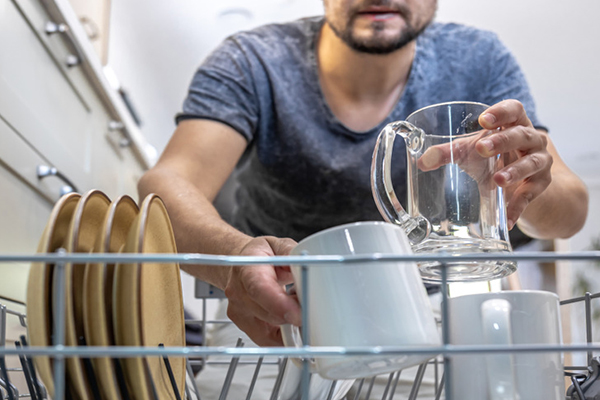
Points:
[(115, 169), (49, 115), (38, 101)]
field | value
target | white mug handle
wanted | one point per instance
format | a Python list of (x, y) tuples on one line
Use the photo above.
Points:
[(293, 338), (496, 326)]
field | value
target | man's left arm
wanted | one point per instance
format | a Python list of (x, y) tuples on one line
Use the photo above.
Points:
[(544, 196)]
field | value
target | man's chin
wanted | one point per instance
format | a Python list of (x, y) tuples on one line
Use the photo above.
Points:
[(376, 45), (376, 38)]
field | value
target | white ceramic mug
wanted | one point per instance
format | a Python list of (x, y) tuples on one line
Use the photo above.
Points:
[(363, 304), (506, 318)]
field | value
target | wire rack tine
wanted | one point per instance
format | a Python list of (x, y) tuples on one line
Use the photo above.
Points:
[(171, 375), (305, 381), (279, 379), (28, 379), (359, 389), (5, 383), (90, 374), (588, 324), (254, 377), (331, 390), (3, 314), (151, 385), (445, 322), (190, 373), (203, 327), (230, 372), (37, 386), (396, 380), (577, 388), (387, 386), (370, 389), (188, 392), (121, 379), (3, 370), (436, 372), (417, 382), (440, 388), (59, 327)]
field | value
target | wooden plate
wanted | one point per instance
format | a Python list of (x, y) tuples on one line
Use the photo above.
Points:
[(97, 282), (39, 284), (148, 304), (85, 227)]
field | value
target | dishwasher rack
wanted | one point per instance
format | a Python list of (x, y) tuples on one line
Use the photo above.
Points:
[(198, 355)]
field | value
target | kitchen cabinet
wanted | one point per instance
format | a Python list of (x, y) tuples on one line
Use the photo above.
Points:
[(94, 15), (56, 111)]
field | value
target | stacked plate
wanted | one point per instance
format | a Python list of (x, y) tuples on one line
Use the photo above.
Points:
[(106, 304)]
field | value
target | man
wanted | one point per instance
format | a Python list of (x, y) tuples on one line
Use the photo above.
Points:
[(297, 107)]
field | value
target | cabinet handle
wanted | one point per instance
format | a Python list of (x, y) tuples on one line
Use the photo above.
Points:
[(90, 27), (44, 171), (114, 126), (53, 28)]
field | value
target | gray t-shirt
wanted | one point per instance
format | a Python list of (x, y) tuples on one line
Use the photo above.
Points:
[(303, 170)]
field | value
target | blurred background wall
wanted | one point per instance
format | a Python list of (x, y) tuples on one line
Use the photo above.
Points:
[(155, 46)]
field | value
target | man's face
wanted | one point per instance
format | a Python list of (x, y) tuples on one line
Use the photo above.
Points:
[(378, 26)]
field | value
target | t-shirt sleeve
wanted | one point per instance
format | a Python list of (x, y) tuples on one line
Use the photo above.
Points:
[(222, 89), (507, 81)]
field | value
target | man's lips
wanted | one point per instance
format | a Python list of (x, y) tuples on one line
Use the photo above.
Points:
[(378, 13)]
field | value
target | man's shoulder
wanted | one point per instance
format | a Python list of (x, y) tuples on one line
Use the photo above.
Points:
[(450, 34), (275, 35)]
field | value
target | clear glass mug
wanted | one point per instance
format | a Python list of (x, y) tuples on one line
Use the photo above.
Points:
[(453, 205)]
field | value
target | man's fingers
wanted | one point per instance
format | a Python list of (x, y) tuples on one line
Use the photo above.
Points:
[(459, 151), (434, 157), (284, 275), (522, 196), (258, 303), (242, 306), (271, 296), (535, 165), (261, 289), (504, 114), (261, 332), (517, 138), (281, 246)]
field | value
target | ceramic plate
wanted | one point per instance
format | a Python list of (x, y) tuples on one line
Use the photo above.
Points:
[(148, 304), (97, 282), (85, 227), (39, 285)]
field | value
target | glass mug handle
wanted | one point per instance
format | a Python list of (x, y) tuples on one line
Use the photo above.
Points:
[(416, 228), (495, 320)]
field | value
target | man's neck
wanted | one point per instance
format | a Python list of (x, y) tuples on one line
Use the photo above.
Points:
[(360, 88)]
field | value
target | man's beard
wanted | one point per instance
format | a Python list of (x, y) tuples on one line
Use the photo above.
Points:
[(378, 44)]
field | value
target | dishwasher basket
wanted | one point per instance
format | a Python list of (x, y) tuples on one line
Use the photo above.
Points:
[(16, 359)]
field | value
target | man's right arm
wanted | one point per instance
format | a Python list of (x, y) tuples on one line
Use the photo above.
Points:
[(192, 169)]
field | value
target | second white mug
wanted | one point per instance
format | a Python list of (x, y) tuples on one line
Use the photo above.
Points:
[(506, 318)]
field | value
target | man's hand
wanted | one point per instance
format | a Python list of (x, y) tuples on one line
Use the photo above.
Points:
[(508, 132), (258, 303), (527, 170)]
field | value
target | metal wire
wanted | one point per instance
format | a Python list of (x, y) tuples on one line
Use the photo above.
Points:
[(59, 352), (309, 260)]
